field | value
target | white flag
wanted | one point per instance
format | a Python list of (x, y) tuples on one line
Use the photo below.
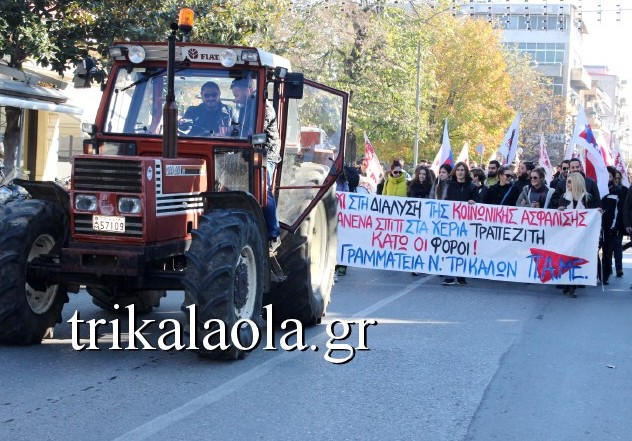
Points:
[(444, 155), (509, 146), (544, 161), (464, 156)]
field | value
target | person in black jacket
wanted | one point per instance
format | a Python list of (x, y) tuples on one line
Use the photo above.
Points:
[(504, 192), (461, 188), (421, 184), (575, 166), (561, 176), (618, 241), (478, 177), (610, 224), (524, 176)]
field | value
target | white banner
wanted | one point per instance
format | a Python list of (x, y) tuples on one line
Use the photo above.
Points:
[(495, 242)]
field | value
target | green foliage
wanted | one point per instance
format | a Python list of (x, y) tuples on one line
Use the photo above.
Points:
[(371, 48)]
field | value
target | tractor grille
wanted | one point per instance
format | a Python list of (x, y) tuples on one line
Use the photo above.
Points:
[(116, 176), (133, 226), (108, 175)]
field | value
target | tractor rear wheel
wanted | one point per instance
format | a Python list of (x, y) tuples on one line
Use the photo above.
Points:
[(308, 259)]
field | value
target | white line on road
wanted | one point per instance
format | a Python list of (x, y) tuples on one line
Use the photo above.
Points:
[(152, 427)]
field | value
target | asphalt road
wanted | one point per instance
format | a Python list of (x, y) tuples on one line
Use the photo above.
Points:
[(483, 362)]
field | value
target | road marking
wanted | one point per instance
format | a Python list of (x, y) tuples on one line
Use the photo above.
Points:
[(154, 426)]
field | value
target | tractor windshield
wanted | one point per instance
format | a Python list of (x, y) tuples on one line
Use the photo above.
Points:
[(211, 103)]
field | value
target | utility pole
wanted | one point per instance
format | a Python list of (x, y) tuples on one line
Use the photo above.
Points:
[(417, 104)]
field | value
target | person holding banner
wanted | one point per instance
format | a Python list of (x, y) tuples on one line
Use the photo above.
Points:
[(440, 187), (536, 194), (421, 184), (575, 166), (502, 193), (395, 184), (576, 198), (460, 188)]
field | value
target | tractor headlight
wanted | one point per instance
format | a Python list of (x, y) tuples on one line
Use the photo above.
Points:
[(129, 205), (136, 54), (249, 55), (86, 202), (228, 58)]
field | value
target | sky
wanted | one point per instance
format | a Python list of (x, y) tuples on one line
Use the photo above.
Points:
[(609, 42)]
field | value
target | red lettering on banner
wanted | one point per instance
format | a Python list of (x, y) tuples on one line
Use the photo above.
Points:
[(342, 200), (485, 213), (550, 265), (554, 218), (390, 241), (355, 221), (389, 224)]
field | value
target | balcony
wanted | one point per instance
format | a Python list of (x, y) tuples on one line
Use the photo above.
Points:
[(580, 78)]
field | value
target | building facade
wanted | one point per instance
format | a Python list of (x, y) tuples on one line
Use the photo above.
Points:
[(553, 33)]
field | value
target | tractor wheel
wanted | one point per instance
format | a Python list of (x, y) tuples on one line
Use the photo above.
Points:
[(29, 309), (224, 277), (143, 301), (308, 259)]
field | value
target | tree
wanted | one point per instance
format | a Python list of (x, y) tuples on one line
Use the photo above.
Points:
[(59, 34)]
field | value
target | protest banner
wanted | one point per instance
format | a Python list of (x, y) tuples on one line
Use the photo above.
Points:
[(514, 244)]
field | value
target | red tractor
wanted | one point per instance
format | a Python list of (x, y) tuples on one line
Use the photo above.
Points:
[(157, 203)]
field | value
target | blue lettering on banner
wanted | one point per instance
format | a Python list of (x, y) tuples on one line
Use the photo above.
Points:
[(477, 267), (448, 229), (416, 227), (382, 259), (438, 210), (358, 202)]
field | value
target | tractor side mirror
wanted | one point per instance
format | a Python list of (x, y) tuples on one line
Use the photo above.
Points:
[(294, 85)]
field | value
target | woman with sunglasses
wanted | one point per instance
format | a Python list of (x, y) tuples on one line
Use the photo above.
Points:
[(421, 183), (502, 193), (395, 184), (536, 194)]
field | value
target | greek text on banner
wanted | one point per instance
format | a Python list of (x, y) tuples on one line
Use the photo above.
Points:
[(450, 238)]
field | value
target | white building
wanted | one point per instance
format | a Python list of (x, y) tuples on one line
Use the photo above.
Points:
[(553, 33)]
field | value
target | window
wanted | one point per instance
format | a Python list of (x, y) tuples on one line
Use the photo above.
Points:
[(211, 102)]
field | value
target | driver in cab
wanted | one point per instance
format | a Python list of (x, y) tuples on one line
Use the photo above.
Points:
[(212, 117)]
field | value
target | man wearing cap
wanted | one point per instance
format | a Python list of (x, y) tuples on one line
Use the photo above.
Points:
[(246, 101), (212, 117)]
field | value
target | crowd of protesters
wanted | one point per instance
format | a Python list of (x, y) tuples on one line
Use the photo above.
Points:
[(525, 186)]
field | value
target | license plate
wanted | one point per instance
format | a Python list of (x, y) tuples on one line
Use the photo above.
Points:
[(111, 224)]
